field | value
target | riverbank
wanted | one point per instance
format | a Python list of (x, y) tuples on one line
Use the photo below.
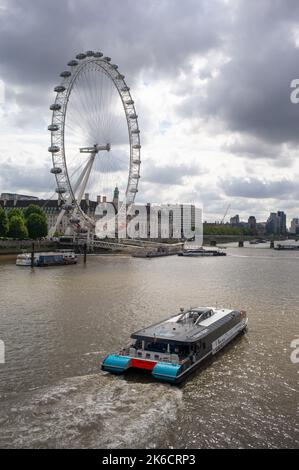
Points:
[(14, 247)]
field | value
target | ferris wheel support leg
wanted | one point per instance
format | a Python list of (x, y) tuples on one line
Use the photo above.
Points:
[(58, 220), (85, 178), (79, 180)]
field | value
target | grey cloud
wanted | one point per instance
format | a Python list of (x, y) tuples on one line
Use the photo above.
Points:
[(256, 188), (252, 148), (251, 93), (169, 174), (37, 38), (29, 179)]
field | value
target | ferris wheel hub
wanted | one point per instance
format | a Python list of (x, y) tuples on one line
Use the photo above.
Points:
[(95, 149)]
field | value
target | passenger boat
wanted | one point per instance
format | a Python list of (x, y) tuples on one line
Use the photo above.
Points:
[(201, 252), (24, 259), (284, 246), (47, 258), (175, 347)]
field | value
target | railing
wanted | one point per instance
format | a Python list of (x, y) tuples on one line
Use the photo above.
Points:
[(172, 358)]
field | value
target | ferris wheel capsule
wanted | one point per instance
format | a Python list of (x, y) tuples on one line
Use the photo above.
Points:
[(56, 170), (136, 146), (98, 54), (81, 56), (72, 63), (60, 190), (65, 74), (133, 116), (74, 220), (107, 59), (59, 88), (53, 148), (89, 53), (55, 107), (67, 206), (53, 127)]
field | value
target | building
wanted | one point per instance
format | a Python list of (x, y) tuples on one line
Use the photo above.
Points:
[(234, 221), (294, 226), (51, 208), (277, 223), (252, 224), (16, 197), (166, 221), (160, 222), (282, 222)]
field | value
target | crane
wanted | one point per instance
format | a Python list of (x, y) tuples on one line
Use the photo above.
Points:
[(225, 213)]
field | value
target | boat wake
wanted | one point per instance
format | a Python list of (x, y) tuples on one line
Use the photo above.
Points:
[(94, 411)]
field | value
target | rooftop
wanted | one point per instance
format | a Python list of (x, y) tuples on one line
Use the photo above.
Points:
[(186, 327)]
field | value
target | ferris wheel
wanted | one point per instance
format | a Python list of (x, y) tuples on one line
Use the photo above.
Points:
[(95, 137)]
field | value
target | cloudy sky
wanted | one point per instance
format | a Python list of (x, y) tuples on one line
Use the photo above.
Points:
[(211, 83)]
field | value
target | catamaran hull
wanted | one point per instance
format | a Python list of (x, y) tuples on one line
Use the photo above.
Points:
[(170, 372)]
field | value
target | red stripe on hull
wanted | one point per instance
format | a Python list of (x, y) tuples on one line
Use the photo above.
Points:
[(140, 364)]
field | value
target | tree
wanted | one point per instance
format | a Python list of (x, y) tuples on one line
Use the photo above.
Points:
[(17, 227), (37, 225), (33, 209), (15, 212), (4, 226)]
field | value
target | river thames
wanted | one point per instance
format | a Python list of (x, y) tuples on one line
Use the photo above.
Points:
[(58, 323)]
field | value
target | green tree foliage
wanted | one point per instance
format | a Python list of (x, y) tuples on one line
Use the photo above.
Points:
[(17, 227), (33, 209), (4, 226), (15, 212), (37, 225), (224, 229)]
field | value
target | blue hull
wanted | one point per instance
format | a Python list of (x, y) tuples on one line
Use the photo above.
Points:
[(164, 371)]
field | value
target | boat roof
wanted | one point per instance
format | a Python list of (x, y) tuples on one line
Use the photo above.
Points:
[(188, 326)]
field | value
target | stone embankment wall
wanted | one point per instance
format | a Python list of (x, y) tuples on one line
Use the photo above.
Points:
[(20, 246)]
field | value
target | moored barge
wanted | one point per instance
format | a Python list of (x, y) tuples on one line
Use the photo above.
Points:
[(47, 258), (172, 349), (201, 252)]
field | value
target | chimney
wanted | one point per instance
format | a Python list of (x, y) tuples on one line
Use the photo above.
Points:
[(99, 199), (104, 199)]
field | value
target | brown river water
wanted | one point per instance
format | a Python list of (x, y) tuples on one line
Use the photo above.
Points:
[(58, 323)]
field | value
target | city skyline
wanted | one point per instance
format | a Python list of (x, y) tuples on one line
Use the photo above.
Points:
[(276, 222), (207, 105)]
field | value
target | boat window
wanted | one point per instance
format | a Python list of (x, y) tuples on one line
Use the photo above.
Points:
[(155, 346)]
